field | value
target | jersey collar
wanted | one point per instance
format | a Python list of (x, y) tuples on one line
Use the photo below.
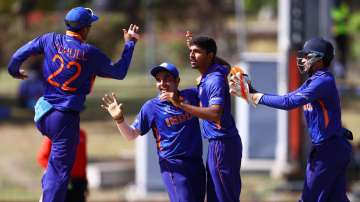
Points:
[(321, 72), (318, 73), (75, 35)]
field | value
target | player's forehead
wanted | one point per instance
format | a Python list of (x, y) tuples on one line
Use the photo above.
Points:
[(197, 48), (163, 75)]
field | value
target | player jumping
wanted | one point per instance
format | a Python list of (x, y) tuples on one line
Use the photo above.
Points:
[(70, 67)]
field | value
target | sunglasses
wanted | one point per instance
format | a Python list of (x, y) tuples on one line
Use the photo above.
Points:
[(90, 11)]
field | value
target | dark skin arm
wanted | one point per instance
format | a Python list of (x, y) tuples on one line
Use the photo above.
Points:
[(211, 113)]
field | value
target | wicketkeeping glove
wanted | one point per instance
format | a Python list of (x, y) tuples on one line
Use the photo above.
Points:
[(239, 83)]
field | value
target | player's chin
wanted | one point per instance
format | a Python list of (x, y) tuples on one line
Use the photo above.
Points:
[(194, 65)]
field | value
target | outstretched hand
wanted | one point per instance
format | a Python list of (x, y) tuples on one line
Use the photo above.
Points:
[(114, 108), (188, 36), (132, 33), (240, 85)]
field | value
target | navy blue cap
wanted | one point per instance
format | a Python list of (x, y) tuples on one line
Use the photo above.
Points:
[(165, 67), (79, 17), (319, 45)]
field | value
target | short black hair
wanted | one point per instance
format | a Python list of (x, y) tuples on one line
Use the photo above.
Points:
[(206, 43)]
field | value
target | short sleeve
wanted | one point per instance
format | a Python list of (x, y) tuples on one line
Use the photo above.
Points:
[(144, 118), (216, 90)]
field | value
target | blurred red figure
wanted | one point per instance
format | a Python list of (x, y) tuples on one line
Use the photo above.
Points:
[(77, 190)]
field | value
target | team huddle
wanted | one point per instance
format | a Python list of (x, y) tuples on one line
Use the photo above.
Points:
[(180, 118)]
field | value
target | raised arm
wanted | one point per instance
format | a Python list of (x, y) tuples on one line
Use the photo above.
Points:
[(119, 69), (306, 93), (116, 111)]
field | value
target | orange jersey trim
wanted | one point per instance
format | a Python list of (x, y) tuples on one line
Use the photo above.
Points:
[(157, 137), (325, 113), (75, 35)]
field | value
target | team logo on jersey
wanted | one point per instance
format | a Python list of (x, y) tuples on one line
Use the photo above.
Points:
[(178, 119), (308, 107)]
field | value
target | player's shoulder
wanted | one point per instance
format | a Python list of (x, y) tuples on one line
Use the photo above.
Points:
[(49, 35), (190, 95), (193, 91), (215, 78), (92, 49), (149, 104), (218, 71), (324, 80), (324, 76)]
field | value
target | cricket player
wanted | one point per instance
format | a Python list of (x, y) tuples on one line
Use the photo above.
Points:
[(177, 134), (225, 147), (70, 67), (77, 190), (331, 152)]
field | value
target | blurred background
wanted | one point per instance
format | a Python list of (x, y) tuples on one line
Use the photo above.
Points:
[(262, 35)]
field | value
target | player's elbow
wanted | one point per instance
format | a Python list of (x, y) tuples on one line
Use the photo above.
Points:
[(12, 68), (120, 75), (215, 115)]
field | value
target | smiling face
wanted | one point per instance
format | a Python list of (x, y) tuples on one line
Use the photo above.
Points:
[(199, 58), (165, 82)]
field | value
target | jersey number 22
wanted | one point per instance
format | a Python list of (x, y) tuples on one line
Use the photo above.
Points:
[(65, 86)]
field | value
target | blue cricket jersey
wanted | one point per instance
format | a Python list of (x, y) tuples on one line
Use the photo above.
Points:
[(70, 67), (177, 132), (213, 89), (321, 104)]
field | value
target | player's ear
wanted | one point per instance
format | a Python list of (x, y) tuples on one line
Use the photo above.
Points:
[(177, 80), (211, 56)]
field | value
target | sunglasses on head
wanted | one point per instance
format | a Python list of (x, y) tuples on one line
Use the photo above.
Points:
[(90, 12)]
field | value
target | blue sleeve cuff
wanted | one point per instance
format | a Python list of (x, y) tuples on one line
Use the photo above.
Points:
[(130, 44), (216, 101), (261, 99)]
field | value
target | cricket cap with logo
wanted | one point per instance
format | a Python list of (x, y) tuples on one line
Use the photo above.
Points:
[(79, 17), (165, 67)]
